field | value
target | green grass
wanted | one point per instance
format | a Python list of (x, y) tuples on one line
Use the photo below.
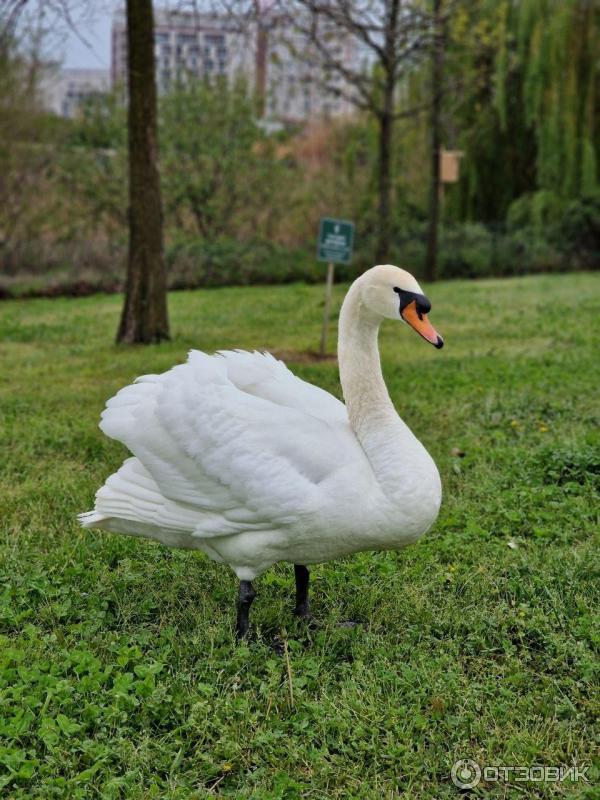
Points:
[(119, 674)]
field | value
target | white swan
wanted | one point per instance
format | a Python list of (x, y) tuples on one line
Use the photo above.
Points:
[(236, 456)]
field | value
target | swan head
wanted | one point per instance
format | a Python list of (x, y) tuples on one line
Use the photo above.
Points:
[(393, 293)]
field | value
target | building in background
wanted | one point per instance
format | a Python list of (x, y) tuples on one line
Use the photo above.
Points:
[(64, 91), (275, 59), (187, 45), (296, 84)]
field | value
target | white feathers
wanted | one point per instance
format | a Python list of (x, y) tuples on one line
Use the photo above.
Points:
[(236, 456), (220, 449)]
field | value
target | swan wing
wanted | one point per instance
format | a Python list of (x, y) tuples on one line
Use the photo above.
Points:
[(262, 375), (223, 436)]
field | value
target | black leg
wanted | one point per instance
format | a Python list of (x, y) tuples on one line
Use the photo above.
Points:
[(245, 598), (302, 606)]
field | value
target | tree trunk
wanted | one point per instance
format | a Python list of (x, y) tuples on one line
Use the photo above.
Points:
[(144, 318), (386, 126), (260, 61), (384, 167), (437, 67)]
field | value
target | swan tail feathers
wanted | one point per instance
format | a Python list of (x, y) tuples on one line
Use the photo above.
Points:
[(130, 494)]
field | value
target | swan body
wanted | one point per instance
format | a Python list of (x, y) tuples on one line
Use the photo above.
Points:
[(236, 456)]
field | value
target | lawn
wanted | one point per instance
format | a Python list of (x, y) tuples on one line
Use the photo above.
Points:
[(119, 673)]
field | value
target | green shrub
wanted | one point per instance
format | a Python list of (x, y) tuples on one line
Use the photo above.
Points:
[(578, 234), (465, 251), (550, 234), (195, 262), (523, 251)]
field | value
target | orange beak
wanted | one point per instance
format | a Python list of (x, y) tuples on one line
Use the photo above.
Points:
[(421, 324)]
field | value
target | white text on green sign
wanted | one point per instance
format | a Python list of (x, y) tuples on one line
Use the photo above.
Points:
[(336, 238)]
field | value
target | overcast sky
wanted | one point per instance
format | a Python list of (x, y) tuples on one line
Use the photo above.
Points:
[(90, 46)]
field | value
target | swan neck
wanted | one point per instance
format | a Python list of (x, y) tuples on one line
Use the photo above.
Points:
[(365, 393), (402, 467)]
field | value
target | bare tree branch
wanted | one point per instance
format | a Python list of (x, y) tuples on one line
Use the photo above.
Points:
[(12, 12), (394, 35)]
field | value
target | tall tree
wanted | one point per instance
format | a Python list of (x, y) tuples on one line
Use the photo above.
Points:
[(393, 35), (557, 46), (529, 107), (144, 318), (27, 152), (499, 163), (437, 77)]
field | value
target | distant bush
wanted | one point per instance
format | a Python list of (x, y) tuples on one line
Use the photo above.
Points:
[(474, 250), (549, 233), (578, 233), (194, 262), (85, 266), (524, 251), (77, 267), (465, 251)]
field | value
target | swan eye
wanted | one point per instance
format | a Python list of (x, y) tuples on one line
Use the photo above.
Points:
[(422, 304)]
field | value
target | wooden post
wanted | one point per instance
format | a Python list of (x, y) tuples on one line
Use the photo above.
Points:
[(328, 289)]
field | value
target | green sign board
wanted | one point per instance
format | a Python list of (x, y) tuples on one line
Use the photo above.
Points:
[(336, 237)]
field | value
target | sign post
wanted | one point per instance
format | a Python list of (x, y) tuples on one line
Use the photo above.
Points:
[(336, 239), (328, 289)]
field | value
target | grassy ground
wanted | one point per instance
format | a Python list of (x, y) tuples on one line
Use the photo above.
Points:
[(119, 675)]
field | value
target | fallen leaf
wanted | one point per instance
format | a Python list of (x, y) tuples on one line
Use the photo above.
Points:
[(456, 451)]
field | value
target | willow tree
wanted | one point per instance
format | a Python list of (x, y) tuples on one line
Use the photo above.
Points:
[(487, 112), (556, 45), (528, 111), (437, 80)]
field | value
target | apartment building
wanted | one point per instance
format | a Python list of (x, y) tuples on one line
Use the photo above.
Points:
[(187, 45), (64, 91), (297, 85), (275, 58)]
